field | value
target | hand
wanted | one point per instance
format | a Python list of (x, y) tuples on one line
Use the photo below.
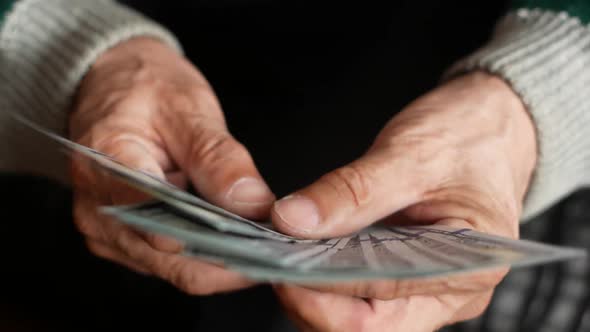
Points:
[(149, 108), (463, 156)]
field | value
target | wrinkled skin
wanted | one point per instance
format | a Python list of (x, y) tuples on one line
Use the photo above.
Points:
[(462, 155), (152, 110)]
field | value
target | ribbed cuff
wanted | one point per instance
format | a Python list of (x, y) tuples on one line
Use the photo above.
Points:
[(545, 57), (46, 47)]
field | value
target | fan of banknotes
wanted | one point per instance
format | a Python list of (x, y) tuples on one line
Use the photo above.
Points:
[(259, 252)]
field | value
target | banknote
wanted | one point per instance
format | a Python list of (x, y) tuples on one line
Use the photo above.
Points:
[(377, 252), (161, 189), (260, 252), (161, 218)]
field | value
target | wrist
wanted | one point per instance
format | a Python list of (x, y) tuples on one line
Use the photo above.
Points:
[(135, 52), (520, 130)]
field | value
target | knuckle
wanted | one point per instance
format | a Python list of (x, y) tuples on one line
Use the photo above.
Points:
[(93, 135), (477, 310), (473, 309), (84, 226), (204, 98), (180, 102), (215, 147), (194, 99), (388, 293), (480, 305), (123, 241), (493, 278), (378, 290), (361, 289), (99, 250), (80, 173), (162, 243), (389, 290), (113, 133), (366, 290), (360, 322), (476, 283), (116, 142), (353, 182), (83, 222), (95, 249), (185, 278)]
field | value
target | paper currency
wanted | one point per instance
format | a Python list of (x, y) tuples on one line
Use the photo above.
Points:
[(259, 252), (378, 252), (215, 216)]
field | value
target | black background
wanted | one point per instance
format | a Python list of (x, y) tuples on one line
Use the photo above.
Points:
[(306, 86)]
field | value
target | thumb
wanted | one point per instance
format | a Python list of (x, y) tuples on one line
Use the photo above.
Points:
[(220, 168), (352, 197)]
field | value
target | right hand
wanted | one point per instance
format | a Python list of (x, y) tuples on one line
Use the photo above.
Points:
[(149, 108)]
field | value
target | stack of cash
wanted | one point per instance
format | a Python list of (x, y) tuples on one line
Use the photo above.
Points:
[(259, 252)]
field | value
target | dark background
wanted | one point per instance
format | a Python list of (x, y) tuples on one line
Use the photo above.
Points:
[(299, 79), (306, 87)]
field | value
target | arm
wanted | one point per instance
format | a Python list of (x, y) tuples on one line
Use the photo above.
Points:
[(46, 47), (542, 49)]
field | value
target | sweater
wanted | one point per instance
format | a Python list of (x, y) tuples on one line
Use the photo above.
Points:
[(541, 48)]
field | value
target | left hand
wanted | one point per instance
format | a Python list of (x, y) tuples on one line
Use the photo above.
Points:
[(151, 109), (463, 156)]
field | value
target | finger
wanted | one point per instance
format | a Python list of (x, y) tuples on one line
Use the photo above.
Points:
[(466, 212), (104, 230), (188, 274), (87, 221), (318, 311), (177, 178), (472, 309), (161, 242), (220, 168), (85, 179), (135, 152), (104, 251), (391, 289), (354, 196), (332, 312)]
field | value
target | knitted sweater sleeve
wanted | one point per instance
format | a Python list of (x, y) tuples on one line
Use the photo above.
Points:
[(542, 49), (46, 47)]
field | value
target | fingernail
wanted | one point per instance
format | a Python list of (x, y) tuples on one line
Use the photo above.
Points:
[(298, 212), (250, 191)]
